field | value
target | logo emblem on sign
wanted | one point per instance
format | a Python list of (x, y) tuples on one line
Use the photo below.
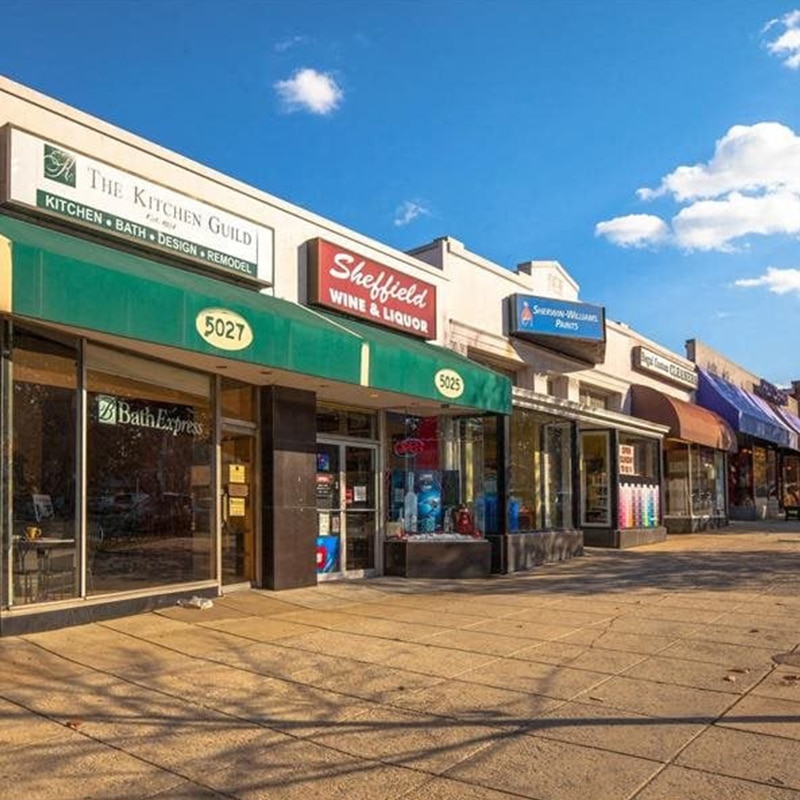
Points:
[(107, 409), (59, 165)]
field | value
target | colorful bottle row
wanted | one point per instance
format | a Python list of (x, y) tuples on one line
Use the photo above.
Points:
[(638, 506)]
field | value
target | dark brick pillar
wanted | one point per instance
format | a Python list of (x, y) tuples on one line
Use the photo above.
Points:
[(289, 510)]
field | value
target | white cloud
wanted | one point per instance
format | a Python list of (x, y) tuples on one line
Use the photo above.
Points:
[(408, 211), (786, 45), (750, 186), (634, 230), (779, 281), (716, 224), (751, 158), (309, 90), (288, 44)]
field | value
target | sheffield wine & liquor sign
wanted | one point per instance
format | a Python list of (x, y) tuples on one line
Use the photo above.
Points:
[(351, 284)]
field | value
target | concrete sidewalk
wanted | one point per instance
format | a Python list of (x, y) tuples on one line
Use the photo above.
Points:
[(668, 672)]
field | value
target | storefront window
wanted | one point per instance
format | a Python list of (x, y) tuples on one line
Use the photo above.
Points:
[(720, 502), (639, 492), (706, 478), (557, 473), (677, 479), (594, 398), (740, 474), (340, 421), (148, 474), (237, 400), (442, 476), (43, 548), (791, 482), (760, 478), (540, 489)]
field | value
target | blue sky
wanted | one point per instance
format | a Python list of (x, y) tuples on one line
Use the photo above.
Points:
[(650, 146)]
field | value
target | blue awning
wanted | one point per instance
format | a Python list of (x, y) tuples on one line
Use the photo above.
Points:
[(745, 412), (792, 420)]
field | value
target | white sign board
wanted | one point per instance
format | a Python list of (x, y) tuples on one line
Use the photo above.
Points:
[(627, 461), (64, 183), (646, 360)]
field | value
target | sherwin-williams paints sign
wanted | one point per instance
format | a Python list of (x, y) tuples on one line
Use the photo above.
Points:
[(64, 183), (558, 318), (351, 284), (577, 329)]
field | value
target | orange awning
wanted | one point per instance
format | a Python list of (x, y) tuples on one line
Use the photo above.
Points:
[(686, 421)]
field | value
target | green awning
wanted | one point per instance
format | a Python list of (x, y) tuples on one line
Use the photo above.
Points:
[(57, 278), (409, 366), (53, 277)]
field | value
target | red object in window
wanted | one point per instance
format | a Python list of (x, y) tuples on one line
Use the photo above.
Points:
[(462, 521)]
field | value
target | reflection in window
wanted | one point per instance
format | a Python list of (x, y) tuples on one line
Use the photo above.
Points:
[(740, 478), (557, 475), (790, 482), (695, 480), (677, 479), (237, 400), (707, 477), (43, 552), (540, 473), (338, 421), (148, 473)]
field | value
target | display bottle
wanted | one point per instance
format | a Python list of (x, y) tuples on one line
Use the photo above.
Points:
[(410, 506)]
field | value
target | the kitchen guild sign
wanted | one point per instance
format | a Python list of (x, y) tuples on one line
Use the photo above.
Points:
[(64, 183)]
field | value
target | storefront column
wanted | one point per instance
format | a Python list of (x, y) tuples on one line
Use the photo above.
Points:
[(613, 484), (289, 510), (503, 482), (577, 494)]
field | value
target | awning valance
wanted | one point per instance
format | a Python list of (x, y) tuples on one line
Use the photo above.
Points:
[(745, 412), (52, 277), (686, 421), (409, 366), (792, 420)]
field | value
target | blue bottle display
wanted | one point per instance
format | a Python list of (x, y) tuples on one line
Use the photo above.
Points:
[(429, 503)]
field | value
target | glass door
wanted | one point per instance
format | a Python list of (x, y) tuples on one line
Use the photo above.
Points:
[(596, 508), (557, 475), (238, 508), (360, 507), (329, 518), (347, 492)]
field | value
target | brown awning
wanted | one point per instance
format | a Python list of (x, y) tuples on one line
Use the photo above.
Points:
[(686, 420)]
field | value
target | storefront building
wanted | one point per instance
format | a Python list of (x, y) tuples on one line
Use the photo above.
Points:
[(580, 467), (187, 407), (697, 446), (762, 473)]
